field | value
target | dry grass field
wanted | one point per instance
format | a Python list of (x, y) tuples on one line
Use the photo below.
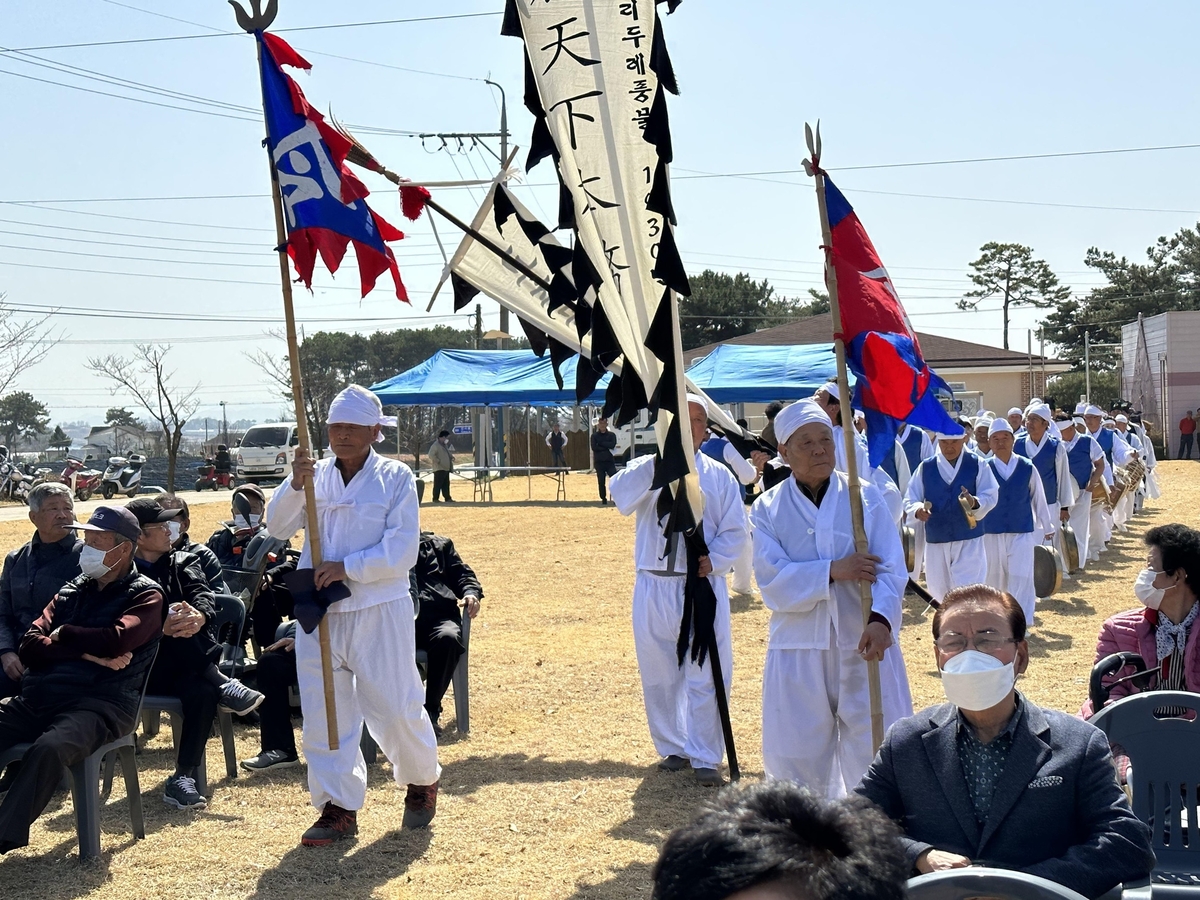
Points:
[(554, 793)]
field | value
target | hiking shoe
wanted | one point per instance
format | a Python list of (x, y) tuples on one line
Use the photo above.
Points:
[(334, 824), (180, 792), (709, 777), (674, 763), (420, 805), (238, 699), (270, 759)]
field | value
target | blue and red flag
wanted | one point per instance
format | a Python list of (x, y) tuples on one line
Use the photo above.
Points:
[(324, 204), (894, 384)]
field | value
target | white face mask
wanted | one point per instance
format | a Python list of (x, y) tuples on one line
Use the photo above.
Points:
[(1144, 589), (250, 521), (972, 680), (176, 531), (91, 562)]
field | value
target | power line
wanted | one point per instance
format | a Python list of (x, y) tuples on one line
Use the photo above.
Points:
[(192, 37), (45, 206)]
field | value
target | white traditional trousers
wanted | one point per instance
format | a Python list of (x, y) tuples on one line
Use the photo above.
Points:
[(817, 715), (954, 564), (1010, 567), (375, 679), (681, 701), (1101, 530), (1081, 523)]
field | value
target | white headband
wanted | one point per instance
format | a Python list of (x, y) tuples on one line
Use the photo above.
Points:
[(1015, 411), (1123, 419), (1093, 410), (797, 415), (358, 406), (831, 388), (1041, 410), (999, 425)]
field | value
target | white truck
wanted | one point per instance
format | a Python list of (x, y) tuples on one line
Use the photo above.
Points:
[(638, 435), (265, 453)]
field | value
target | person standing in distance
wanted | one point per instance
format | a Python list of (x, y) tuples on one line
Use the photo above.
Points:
[(604, 442), (368, 520), (441, 455)]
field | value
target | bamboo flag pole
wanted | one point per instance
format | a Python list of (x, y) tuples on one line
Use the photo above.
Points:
[(259, 22), (839, 348)]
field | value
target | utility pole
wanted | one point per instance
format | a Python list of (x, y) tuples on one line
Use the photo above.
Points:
[(478, 326), (1087, 366), (224, 426)]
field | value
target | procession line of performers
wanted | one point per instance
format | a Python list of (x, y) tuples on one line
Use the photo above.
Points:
[(979, 502)]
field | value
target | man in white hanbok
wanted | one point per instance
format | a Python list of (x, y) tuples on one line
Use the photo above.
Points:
[(367, 516), (816, 705), (1116, 453), (1019, 521), (1125, 508), (829, 399), (1086, 463), (680, 696), (954, 554)]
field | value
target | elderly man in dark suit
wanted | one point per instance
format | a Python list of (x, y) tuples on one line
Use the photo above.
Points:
[(992, 779)]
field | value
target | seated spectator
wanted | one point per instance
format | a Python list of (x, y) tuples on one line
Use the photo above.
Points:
[(186, 665), (86, 656), (181, 540), (276, 673), (778, 841), (443, 581), (1162, 631), (34, 573), (231, 542), (990, 778)]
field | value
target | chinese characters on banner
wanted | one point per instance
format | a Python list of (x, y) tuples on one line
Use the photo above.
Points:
[(596, 73)]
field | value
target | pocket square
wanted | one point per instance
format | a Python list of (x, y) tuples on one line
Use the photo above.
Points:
[(1046, 781)]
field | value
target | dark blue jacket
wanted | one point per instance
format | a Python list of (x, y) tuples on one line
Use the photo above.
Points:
[(32, 576), (1058, 811)]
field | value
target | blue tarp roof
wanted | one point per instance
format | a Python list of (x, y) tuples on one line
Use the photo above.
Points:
[(484, 378), (747, 373)]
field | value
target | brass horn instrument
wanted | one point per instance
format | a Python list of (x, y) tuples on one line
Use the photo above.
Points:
[(1127, 478), (964, 500)]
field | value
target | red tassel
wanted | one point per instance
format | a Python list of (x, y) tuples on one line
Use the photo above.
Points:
[(412, 200)]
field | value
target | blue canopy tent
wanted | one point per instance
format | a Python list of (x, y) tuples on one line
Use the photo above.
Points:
[(748, 373), (484, 378)]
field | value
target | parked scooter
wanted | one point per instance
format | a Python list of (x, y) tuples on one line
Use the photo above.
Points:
[(210, 479), (83, 481), (123, 476), (13, 484)]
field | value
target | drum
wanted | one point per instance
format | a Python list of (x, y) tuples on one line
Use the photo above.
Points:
[(1070, 548), (1047, 574)]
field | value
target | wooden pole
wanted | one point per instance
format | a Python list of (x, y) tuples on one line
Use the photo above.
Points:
[(528, 451), (856, 504), (312, 531)]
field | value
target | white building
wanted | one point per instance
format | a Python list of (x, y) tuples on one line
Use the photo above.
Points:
[(1173, 344)]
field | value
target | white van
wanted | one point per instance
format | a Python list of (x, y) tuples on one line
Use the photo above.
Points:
[(638, 438), (265, 453)]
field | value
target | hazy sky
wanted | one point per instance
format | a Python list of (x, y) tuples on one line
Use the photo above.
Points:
[(891, 83)]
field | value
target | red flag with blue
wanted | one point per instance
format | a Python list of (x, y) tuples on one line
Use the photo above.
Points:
[(324, 205), (894, 384)]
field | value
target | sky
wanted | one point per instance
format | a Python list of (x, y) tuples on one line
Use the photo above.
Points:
[(146, 215)]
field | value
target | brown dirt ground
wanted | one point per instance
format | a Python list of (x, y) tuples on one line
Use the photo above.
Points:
[(554, 794)]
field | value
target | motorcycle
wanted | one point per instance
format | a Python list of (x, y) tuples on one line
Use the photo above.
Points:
[(210, 479), (83, 482), (123, 476), (14, 485)]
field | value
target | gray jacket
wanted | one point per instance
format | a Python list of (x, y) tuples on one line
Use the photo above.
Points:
[(440, 458), (32, 576), (1057, 812)]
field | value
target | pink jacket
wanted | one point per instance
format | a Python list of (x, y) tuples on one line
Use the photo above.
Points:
[(1132, 631)]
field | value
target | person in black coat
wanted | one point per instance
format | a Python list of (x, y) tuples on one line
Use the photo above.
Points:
[(993, 779), (186, 666), (604, 442), (33, 574)]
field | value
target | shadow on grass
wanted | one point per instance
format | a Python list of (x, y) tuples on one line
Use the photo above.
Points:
[(1044, 643), (347, 869), (516, 504), (631, 882), (740, 603), (1065, 606), (465, 776)]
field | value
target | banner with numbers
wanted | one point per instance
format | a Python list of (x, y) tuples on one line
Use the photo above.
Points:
[(596, 74)]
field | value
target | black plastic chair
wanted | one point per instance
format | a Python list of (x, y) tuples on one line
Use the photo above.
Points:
[(1160, 733), (462, 692), (979, 883), (86, 794), (227, 628)]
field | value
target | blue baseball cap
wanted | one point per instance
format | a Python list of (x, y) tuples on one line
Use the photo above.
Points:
[(112, 518)]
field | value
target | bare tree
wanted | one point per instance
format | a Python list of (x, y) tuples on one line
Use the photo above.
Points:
[(23, 343), (144, 375)]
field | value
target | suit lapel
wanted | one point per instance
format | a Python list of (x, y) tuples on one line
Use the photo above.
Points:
[(1029, 753), (941, 746)]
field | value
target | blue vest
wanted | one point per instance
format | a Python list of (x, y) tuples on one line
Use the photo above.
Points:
[(1104, 438), (912, 448), (948, 523), (714, 448), (1013, 513), (889, 465), (1079, 458), (1046, 462)]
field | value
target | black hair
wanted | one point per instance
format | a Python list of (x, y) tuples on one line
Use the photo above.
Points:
[(1180, 548), (742, 423), (975, 593), (780, 834), (443, 433), (774, 408), (175, 502)]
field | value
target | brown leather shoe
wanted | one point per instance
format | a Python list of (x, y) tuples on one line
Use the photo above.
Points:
[(420, 805), (334, 824)]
